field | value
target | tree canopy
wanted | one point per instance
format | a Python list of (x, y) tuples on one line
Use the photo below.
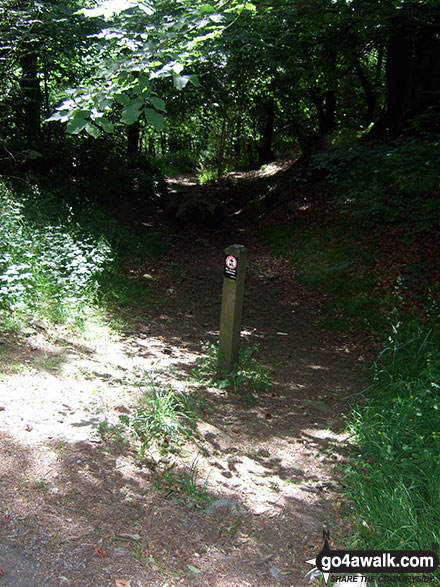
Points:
[(233, 83)]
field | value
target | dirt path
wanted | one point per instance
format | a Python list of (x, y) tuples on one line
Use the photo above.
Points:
[(76, 510)]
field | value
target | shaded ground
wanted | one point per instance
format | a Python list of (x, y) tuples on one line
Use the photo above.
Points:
[(76, 510)]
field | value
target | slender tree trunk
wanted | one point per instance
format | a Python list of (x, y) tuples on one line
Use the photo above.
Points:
[(238, 141), (31, 96), (163, 143), (47, 109), (369, 93), (133, 134), (265, 154), (325, 105), (221, 150)]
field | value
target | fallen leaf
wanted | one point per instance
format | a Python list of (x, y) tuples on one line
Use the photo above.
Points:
[(2, 571), (122, 583), (99, 551), (268, 416)]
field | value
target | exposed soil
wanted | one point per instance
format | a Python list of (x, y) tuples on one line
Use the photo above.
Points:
[(78, 509)]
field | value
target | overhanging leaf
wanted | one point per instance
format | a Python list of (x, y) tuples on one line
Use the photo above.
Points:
[(105, 124), (122, 99), (143, 80), (92, 130), (76, 125), (206, 9), (177, 68), (180, 81), (132, 111), (194, 80), (158, 103), (154, 118)]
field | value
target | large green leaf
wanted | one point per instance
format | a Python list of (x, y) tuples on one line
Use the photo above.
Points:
[(132, 111), (144, 80), (105, 124), (194, 80), (92, 130), (158, 103), (180, 81), (78, 123), (154, 118), (122, 99)]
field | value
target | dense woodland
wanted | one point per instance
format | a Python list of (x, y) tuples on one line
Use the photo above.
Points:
[(221, 86), (103, 100)]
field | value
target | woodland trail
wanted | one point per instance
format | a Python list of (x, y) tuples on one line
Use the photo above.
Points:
[(76, 510)]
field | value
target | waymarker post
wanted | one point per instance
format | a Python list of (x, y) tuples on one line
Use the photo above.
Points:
[(234, 272)]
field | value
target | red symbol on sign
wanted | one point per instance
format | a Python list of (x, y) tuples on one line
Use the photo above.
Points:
[(231, 262)]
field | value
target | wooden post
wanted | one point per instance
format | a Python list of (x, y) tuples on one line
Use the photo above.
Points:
[(232, 305)]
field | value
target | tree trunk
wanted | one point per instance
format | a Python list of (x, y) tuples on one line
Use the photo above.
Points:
[(265, 154), (325, 105), (238, 141), (47, 108), (398, 65), (133, 139), (221, 147), (425, 87), (31, 96), (369, 94), (412, 79)]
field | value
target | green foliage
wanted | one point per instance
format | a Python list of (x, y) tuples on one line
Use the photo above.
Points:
[(180, 162), (248, 376), (397, 431), (137, 45), (164, 415), (394, 182), (65, 262), (46, 269), (206, 175)]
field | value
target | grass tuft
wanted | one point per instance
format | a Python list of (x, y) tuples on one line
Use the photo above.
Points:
[(164, 416)]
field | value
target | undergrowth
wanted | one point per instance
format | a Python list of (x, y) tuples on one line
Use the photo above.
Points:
[(392, 481), (62, 263), (393, 182), (47, 269)]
